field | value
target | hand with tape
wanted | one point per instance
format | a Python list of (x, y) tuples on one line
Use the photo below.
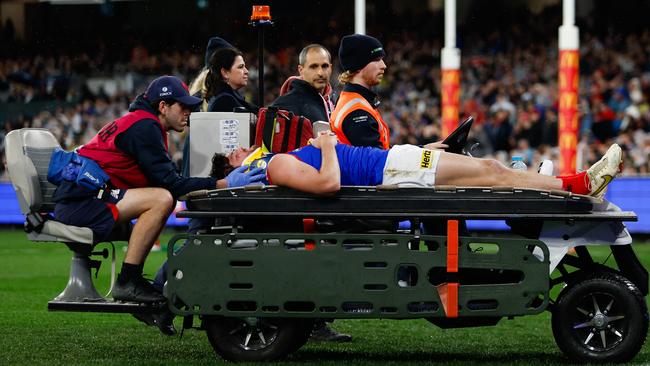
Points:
[(240, 177)]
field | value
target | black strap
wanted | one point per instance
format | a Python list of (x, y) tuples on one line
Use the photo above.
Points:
[(301, 121), (34, 221), (287, 133), (269, 127)]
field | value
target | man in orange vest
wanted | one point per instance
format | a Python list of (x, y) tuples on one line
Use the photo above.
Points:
[(356, 120)]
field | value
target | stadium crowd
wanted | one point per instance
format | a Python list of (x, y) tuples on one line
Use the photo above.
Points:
[(509, 86)]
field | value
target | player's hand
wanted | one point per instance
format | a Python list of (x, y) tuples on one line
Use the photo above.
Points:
[(240, 177), (325, 138), (438, 145)]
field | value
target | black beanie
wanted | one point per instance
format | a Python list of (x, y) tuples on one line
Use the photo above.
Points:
[(214, 44), (358, 50)]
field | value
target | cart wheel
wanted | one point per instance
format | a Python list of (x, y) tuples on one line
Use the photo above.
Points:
[(603, 318), (256, 339)]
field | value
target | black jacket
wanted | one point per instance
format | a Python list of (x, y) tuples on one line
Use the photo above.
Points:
[(304, 100), (227, 100)]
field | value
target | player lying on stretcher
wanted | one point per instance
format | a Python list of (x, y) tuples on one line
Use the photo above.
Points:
[(325, 165)]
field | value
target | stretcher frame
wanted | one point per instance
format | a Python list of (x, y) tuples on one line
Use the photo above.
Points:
[(314, 269)]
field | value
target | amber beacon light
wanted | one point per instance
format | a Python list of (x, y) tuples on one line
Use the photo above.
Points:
[(261, 13)]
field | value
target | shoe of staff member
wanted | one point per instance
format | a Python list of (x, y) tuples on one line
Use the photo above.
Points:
[(136, 289), (163, 320), (323, 333), (604, 171)]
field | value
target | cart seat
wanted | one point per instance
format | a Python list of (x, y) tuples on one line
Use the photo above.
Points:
[(28, 156)]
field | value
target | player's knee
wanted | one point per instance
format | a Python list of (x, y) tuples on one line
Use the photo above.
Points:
[(494, 170), (164, 200)]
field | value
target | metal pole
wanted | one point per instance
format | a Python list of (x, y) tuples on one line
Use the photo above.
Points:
[(450, 23), (260, 65), (568, 82), (360, 16), (260, 18)]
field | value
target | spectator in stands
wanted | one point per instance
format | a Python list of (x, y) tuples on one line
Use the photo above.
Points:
[(132, 150), (356, 120), (309, 94), (228, 74), (516, 69)]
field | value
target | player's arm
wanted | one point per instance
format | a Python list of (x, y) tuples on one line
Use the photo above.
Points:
[(285, 170)]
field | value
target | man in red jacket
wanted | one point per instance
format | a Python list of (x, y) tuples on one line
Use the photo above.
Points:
[(132, 150)]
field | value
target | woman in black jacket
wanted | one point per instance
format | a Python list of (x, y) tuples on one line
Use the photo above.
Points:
[(228, 74)]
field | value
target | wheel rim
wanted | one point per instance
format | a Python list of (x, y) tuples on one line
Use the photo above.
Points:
[(598, 322), (252, 336)]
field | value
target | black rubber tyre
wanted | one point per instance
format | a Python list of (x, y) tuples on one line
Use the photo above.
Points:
[(235, 339), (601, 318)]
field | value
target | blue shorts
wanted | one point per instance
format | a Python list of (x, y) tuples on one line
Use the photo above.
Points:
[(98, 215)]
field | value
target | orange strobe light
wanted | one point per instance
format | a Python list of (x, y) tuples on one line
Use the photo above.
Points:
[(261, 13)]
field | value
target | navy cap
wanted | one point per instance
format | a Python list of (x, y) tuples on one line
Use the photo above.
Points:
[(358, 50), (214, 44), (170, 87)]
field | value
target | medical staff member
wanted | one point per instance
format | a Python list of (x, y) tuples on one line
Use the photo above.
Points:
[(356, 119)]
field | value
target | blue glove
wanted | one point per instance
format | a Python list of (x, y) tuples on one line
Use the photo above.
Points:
[(240, 177)]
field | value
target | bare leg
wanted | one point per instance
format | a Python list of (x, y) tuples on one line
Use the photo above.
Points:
[(461, 170), (151, 206)]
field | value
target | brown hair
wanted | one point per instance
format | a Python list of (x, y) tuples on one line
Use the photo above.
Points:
[(220, 166), (223, 58)]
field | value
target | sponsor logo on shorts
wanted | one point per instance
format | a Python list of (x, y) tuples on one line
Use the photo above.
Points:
[(426, 161)]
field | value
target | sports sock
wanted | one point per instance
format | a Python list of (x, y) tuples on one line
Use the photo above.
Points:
[(130, 271), (576, 183)]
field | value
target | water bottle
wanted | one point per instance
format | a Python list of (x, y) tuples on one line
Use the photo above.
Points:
[(518, 163)]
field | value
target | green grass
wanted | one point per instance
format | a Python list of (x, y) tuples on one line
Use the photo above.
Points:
[(32, 274)]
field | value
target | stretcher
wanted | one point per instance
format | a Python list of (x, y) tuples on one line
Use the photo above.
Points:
[(272, 260)]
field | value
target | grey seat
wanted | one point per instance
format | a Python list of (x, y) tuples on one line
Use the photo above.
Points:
[(28, 152)]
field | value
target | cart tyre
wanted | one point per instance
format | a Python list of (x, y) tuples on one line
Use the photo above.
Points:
[(270, 339), (601, 318)]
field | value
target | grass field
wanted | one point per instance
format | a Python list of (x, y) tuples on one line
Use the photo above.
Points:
[(32, 274)]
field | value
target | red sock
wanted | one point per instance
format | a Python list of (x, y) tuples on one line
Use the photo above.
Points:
[(576, 183)]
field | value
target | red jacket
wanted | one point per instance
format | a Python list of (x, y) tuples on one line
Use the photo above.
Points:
[(122, 168)]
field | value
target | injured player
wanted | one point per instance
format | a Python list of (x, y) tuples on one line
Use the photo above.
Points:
[(325, 165)]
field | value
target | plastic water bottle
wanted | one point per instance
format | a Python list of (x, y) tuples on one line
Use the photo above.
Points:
[(518, 163)]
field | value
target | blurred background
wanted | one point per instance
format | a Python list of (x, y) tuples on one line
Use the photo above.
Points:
[(72, 66)]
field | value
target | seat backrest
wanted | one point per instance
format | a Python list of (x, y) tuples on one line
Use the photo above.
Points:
[(28, 152)]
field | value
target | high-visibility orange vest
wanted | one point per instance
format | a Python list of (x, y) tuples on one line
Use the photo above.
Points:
[(348, 102)]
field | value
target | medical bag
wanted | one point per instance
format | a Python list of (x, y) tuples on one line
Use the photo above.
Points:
[(70, 166), (279, 130)]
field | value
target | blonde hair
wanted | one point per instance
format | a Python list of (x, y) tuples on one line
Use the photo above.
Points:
[(346, 76), (198, 85)]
